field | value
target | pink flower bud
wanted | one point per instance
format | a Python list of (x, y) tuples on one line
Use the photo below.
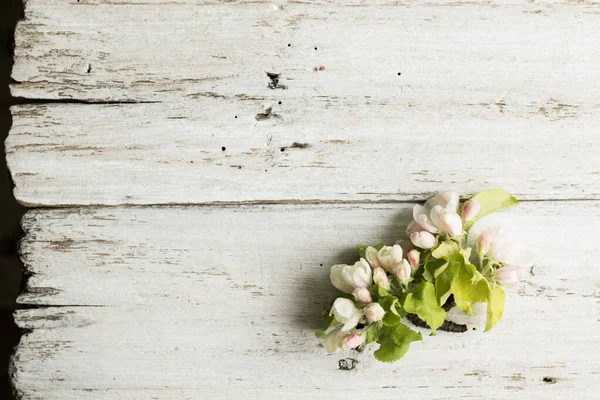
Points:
[(362, 295), (351, 341), (423, 239), (402, 271), (452, 223), (380, 278), (483, 243), (470, 210), (509, 275), (374, 312), (413, 258)]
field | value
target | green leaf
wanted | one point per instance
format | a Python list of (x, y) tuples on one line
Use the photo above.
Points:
[(395, 341), (469, 287), (424, 303), (446, 249), (393, 310), (495, 307), (430, 268), (379, 246), (328, 321), (361, 250), (491, 201), (377, 292), (372, 333), (444, 280)]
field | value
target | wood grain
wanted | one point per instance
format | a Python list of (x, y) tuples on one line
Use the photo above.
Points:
[(225, 299), (501, 53), (221, 195), (307, 151)]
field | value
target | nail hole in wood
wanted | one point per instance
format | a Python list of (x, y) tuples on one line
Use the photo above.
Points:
[(235, 116), (282, 149), (289, 45), (279, 102), (89, 67), (399, 73), (548, 379), (223, 148), (315, 48)]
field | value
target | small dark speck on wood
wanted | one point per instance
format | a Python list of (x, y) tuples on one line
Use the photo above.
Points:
[(347, 364), (297, 145), (89, 70), (549, 379), (273, 82)]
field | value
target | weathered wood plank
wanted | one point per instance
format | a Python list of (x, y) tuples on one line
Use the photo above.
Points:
[(308, 150), (191, 352), (189, 255), (503, 53), (224, 299)]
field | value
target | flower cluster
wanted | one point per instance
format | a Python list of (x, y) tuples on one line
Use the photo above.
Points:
[(449, 261)]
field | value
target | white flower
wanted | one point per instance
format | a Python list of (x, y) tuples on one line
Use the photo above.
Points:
[(348, 277), (501, 247), (403, 271), (438, 215), (380, 278), (333, 339), (372, 257), (346, 313), (389, 256), (374, 312)]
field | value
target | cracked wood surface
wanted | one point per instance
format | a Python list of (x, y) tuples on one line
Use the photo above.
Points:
[(381, 102), (510, 95), (224, 300), (307, 151)]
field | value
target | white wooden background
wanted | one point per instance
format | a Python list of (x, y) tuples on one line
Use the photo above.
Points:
[(165, 267)]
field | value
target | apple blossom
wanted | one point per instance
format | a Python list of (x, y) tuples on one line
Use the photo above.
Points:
[(374, 312), (413, 258), (438, 215), (501, 247), (451, 223), (372, 257), (345, 312), (424, 239), (438, 245), (509, 275), (351, 341), (333, 339), (389, 256), (470, 210), (348, 277), (380, 278), (403, 271), (362, 295)]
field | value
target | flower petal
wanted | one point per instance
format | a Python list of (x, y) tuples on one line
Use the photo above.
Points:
[(337, 278)]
